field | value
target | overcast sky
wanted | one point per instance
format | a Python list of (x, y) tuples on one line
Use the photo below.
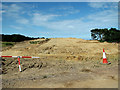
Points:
[(50, 19)]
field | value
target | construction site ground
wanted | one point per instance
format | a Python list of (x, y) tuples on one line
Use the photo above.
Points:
[(63, 63)]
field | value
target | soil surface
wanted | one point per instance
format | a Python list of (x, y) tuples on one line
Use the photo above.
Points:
[(63, 63)]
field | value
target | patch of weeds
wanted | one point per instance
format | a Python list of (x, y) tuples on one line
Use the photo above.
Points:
[(44, 76), (34, 42), (5, 44)]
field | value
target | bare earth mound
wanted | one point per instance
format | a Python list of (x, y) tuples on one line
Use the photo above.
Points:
[(63, 63)]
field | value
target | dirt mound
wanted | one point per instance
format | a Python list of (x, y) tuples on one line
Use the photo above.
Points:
[(64, 48)]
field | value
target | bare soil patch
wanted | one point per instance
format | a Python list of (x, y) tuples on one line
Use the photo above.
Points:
[(63, 63)]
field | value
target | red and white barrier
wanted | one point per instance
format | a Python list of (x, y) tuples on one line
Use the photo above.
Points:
[(19, 59), (19, 63), (20, 56), (9, 56)]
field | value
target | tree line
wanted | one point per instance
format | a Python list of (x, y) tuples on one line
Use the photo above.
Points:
[(109, 35), (15, 38)]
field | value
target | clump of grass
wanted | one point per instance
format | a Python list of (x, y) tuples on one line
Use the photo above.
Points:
[(5, 44), (34, 42), (44, 76)]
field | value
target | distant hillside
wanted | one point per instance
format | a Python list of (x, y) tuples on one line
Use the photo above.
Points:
[(15, 38)]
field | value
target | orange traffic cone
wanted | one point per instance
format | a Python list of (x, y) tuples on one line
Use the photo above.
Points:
[(104, 57)]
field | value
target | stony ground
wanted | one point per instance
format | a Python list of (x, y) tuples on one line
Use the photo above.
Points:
[(63, 63)]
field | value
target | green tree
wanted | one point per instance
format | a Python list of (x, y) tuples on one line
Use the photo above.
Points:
[(111, 35)]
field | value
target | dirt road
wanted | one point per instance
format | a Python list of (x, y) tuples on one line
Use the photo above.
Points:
[(64, 63)]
